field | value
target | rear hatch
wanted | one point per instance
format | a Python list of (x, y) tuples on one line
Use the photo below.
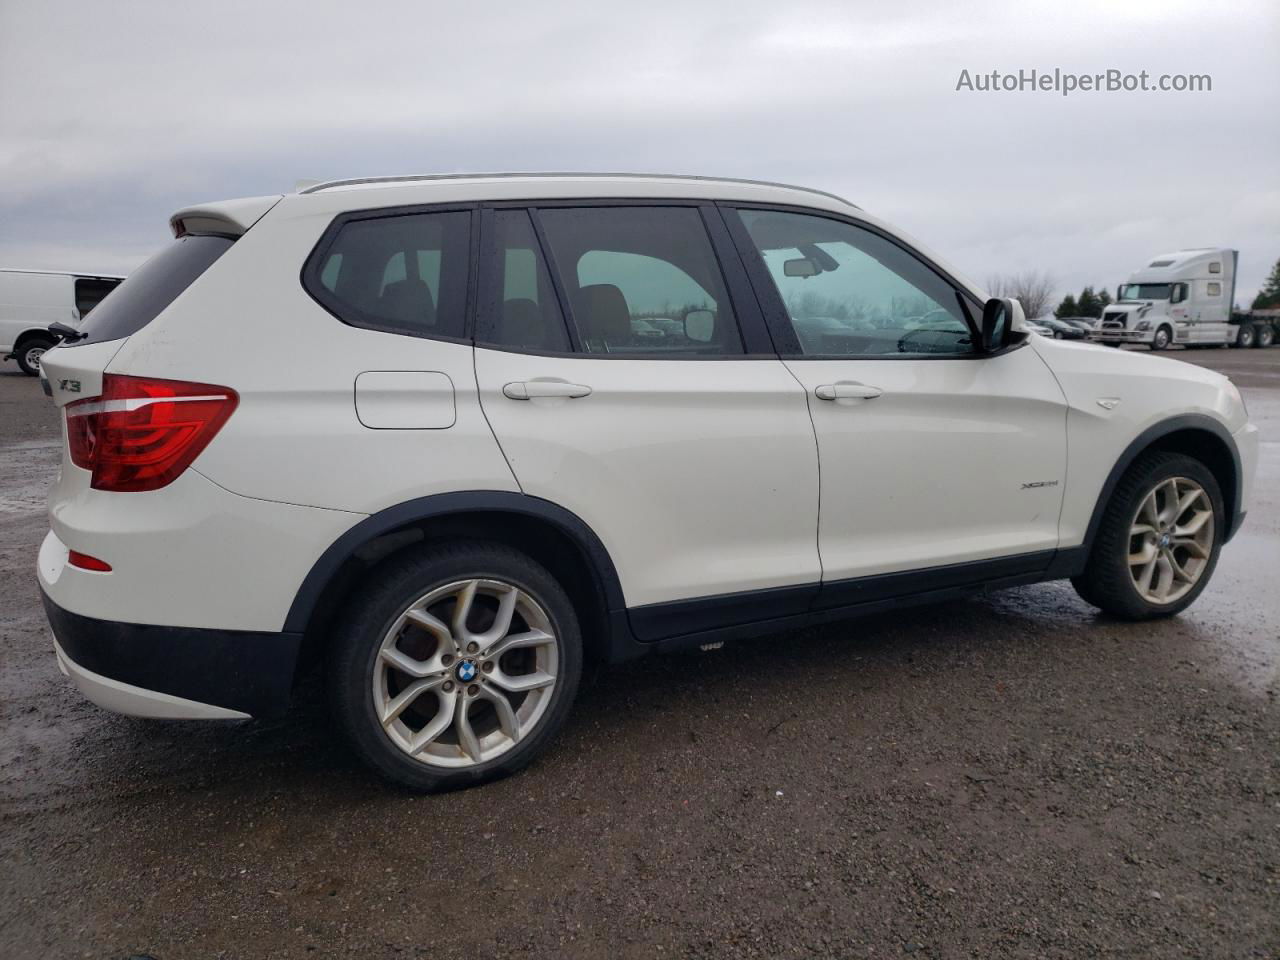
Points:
[(75, 370)]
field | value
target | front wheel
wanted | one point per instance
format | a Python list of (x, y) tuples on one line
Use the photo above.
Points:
[(28, 357), (455, 665), (1162, 339), (1159, 539)]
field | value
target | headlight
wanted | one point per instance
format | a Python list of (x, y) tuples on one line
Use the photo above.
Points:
[(1142, 325)]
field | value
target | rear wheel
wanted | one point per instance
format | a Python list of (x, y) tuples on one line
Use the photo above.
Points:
[(1163, 337), (456, 667), (1158, 542), (1244, 335), (29, 354), (1266, 336)]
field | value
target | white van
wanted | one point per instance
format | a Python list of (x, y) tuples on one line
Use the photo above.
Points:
[(30, 300), (1183, 297)]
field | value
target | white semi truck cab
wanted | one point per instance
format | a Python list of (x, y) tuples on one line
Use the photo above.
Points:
[(1182, 297)]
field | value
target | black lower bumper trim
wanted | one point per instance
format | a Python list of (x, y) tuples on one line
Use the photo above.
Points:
[(237, 669)]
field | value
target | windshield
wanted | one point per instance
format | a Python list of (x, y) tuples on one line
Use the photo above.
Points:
[(1144, 291)]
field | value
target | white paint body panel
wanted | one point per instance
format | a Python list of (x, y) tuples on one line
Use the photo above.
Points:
[(931, 471), (405, 400), (1149, 388), (700, 477)]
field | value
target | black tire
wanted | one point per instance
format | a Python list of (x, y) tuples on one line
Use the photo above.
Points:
[(1266, 336), (28, 355), (1245, 335), (375, 606), (1159, 342), (1106, 582)]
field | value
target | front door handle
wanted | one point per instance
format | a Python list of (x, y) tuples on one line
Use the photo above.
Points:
[(847, 390), (539, 389)]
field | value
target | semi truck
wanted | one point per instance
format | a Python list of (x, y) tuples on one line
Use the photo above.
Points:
[(1185, 298), (1182, 297)]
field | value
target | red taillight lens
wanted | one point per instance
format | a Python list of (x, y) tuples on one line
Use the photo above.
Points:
[(86, 562), (142, 433)]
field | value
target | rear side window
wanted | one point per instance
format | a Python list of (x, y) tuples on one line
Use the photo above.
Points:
[(151, 288), (400, 274), (518, 304), (641, 280)]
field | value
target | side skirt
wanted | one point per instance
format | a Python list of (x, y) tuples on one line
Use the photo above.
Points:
[(685, 624)]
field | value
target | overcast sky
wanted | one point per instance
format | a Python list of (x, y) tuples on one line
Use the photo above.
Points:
[(112, 115)]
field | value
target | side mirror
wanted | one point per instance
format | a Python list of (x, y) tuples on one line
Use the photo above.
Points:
[(1001, 316), (800, 267), (700, 325)]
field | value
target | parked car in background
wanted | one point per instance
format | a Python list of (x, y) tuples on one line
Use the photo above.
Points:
[(449, 469), (1062, 330), (1040, 327), (1083, 323), (30, 300)]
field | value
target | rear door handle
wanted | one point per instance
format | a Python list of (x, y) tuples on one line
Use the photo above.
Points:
[(538, 389), (847, 390)]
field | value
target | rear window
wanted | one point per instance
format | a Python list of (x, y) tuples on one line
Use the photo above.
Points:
[(151, 288)]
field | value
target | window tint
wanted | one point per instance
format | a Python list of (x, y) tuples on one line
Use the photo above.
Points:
[(152, 287), (518, 306), (404, 274), (90, 292), (641, 280), (851, 293)]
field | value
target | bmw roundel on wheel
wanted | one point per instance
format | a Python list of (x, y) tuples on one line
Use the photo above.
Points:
[(474, 443)]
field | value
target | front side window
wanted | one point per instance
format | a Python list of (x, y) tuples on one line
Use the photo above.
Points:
[(641, 280), (403, 274), (851, 293)]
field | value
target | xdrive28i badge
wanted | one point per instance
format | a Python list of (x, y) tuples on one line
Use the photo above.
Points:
[(70, 386)]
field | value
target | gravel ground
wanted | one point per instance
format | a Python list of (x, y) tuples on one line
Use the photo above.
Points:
[(1011, 776)]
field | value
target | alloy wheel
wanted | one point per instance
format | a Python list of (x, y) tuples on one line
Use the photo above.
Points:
[(1170, 540), (32, 357), (465, 673)]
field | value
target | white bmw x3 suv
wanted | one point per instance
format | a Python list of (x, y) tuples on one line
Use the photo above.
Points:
[(449, 436)]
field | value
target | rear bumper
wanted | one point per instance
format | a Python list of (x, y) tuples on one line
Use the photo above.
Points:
[(175, 672)]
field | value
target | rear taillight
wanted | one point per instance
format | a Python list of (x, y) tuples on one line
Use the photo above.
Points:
[(142, 433), (86, 562)]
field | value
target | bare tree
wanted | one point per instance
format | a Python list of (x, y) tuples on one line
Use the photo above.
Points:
[(1032, 288)]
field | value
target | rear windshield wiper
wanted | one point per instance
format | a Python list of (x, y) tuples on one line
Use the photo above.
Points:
[(65, 333)]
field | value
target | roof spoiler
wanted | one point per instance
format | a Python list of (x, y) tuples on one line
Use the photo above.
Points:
[(227, 217)]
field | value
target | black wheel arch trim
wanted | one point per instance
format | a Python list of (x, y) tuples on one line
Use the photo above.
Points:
[(1149, 436), (442, 505)]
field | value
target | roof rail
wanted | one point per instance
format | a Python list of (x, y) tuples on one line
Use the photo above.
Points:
[(415, 178)]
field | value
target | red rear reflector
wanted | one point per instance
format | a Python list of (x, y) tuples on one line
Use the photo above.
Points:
[(86, 562), (142, 432)]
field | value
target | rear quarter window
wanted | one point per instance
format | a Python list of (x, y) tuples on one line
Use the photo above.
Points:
[(151, 288), (397, 273)]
